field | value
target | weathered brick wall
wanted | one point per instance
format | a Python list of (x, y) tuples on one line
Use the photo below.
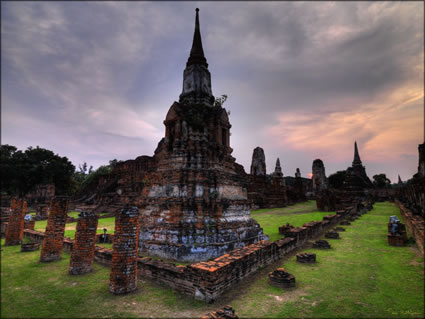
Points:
[(123, 278), (84, 244), (415, 225), (208, 280), (55, 230), (15, 228), (42, 212), (29, 224)]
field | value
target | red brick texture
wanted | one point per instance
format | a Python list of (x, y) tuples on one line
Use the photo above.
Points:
[(84, 244), (123, 278), (15, 228), (55, 230)]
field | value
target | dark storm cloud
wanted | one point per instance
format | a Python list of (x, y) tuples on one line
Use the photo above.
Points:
[(94, 80)]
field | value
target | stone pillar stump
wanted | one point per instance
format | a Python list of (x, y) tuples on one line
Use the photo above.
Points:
[(15, 227), (55, 230), (123, 278), (84, 244)]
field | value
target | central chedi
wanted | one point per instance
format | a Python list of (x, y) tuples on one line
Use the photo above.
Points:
[(193, 204)]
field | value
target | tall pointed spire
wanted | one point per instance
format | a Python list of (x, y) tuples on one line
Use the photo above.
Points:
[(197, 52), (277, 170), (356, 160), (196, 76)]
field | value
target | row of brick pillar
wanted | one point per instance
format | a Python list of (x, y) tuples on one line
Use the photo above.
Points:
[(123, 277)]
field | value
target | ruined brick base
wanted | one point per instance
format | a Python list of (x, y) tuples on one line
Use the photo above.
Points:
[(226, 313), (306, 258), (321, 244), (395, 240), (332, 235), (282, 279), (30, 247)]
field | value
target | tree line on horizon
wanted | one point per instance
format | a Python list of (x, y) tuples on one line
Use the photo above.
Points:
[(23, 171)]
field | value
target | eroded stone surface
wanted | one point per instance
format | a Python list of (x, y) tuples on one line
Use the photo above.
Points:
[(332, 235), (306, 258), (15, 227), (30, 247), (226, 312), (84, 244), (55, 230), (123, 278), (281, 278), (321, 244), (258, 164)]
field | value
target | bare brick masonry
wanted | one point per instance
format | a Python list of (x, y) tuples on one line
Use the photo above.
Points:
[(123, 277), (84, 244), (55, 230), (15, 228)]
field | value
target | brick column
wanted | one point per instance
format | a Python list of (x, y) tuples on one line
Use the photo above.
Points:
[(123, 278), (15, 227), (29, 224), (55, 230), (84, 244)]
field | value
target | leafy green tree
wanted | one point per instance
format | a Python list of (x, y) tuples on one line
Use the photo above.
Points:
[(23, 171), (381, 181), (103, 170), (336, 180)]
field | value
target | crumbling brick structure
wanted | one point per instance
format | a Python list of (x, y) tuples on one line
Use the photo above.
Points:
[(15, 228), (282, 279), (306, 258), (356, 186), (258, 164), (55, 230), (226, 313), (265, 190), (29, 224), (84, 244), (123, 278), (297, 191), (325, 199), (42, 212)]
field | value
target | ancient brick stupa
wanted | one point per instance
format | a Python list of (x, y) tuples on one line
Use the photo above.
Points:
[(356, 178), (193, 205)]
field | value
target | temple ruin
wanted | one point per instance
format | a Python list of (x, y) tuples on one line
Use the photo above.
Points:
[(193, 202), (265, 190)]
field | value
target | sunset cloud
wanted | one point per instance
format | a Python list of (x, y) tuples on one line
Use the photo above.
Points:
[(94, 80)]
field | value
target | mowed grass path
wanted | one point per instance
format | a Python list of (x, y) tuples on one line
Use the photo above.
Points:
[(361, 276), (271, 218)]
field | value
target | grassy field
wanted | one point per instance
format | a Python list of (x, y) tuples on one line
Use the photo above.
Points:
[(108, 223), (361, 276), (296, 215)]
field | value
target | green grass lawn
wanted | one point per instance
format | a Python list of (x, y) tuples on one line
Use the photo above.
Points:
[(361, 276), (296, 215), (108, 223)]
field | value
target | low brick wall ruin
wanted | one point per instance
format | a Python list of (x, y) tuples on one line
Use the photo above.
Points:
[(208, 280), (415, 225)]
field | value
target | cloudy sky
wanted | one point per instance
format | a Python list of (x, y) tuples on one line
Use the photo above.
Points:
[(93, 81)]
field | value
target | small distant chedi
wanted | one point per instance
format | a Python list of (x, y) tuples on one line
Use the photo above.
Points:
[(192, 202)]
